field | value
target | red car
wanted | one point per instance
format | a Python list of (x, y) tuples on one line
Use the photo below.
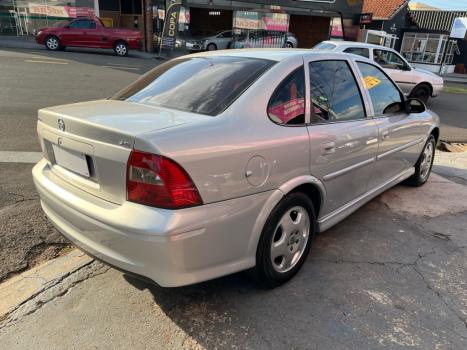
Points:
[(89, 32)]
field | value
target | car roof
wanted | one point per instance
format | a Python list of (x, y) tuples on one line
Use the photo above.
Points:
[(339, 43), (270, 54)]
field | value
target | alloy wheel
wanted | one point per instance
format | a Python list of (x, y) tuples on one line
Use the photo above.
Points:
[(121, 49), (427, 160), (52, 43), (290, 239)]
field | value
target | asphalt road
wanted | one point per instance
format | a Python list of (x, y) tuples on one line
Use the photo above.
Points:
[(452, 110)]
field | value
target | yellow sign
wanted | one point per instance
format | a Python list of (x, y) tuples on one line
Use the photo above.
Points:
[(371, 82)]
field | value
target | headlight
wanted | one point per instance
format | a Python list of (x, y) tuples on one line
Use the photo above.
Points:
[(39, 32)]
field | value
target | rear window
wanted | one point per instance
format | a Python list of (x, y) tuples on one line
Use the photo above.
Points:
[(325, 46), (204, 85)]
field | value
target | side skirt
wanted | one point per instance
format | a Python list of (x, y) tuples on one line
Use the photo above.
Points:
[(341, 213)]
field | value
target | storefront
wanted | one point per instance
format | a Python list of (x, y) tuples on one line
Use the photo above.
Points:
[(309, 21), (429, 41), (26, 17)]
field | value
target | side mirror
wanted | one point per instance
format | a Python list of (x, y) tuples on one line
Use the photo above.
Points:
[(414, 105)]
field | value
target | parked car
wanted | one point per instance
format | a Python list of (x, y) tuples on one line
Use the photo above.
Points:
[(292, 41), (89, 32), (218, 41), (224, 40), (414, 82), (213, 163)]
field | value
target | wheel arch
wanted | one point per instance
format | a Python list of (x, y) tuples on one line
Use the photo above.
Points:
[(307, 184), (424, 83), (435, 133), (119, 40)]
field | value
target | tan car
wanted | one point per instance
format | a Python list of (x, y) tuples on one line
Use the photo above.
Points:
[(225, 161)]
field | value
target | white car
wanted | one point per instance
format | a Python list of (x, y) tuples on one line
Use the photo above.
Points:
[(414, 82)]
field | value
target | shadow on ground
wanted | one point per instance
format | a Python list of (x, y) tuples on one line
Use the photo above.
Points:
[(375, 280)]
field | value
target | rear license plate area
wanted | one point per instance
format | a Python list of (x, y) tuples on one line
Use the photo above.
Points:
[(74, 161)]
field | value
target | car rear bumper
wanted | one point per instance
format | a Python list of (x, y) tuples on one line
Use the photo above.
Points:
[(171, 247)]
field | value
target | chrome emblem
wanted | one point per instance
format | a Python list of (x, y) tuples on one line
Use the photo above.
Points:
[(61, 124)]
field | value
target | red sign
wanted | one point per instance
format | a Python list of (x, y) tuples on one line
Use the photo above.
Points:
[(288, 110)]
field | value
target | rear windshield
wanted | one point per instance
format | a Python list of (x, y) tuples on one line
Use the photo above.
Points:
[(325, 46), (205, 85)]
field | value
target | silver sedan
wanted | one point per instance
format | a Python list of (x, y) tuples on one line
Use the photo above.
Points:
[(230, 160)]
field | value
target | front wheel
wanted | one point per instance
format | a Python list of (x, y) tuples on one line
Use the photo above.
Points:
[(52, 43), (211, 47), (121, 48), (285, 241), (421, 92), (424, 164)]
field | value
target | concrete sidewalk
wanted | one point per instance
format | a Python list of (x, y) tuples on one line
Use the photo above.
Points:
[(455, 78), (29, 43), (452, 166)]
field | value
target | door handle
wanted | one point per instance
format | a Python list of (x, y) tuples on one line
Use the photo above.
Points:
[(328, 148), (385, 135)]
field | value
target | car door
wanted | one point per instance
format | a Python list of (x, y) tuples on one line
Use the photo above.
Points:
[(400, 135), (223, 39), (92, 36), (73, 35), (343, 139), (396, 67)]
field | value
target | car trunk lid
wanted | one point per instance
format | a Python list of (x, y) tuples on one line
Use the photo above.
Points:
[(88, 144)]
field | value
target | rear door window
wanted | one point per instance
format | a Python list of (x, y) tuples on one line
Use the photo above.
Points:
[(361, 51), (287, 104), (334, 93), (204, 85)]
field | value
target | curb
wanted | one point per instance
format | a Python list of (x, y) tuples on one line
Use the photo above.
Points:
[(19, 289)]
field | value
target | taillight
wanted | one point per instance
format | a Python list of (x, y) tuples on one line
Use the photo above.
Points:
[(159, 182)]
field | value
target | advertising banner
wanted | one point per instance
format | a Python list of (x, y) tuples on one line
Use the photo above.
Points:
[(169, 33), (278, 22), (52, 11), (60, 11)]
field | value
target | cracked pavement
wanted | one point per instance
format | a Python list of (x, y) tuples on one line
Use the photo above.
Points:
[(386, 277)]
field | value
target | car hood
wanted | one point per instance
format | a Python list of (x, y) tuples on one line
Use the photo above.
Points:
[(430, 76)]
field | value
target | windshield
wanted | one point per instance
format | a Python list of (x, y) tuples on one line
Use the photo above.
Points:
[(325, 46), (198, 84)]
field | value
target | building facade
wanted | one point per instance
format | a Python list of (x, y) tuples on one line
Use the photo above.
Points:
[(310, 21)]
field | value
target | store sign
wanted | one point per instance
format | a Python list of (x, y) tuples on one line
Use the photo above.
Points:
[(52, 11), (459, 28), (365, 18), (169, 33), (278, 22), (60, 11)]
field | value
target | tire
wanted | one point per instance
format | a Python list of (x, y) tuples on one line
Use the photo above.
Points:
[(422, 92), (285, 241), (289, 45), (424, 164), (121, 48), (211, 47), (52, 43)]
